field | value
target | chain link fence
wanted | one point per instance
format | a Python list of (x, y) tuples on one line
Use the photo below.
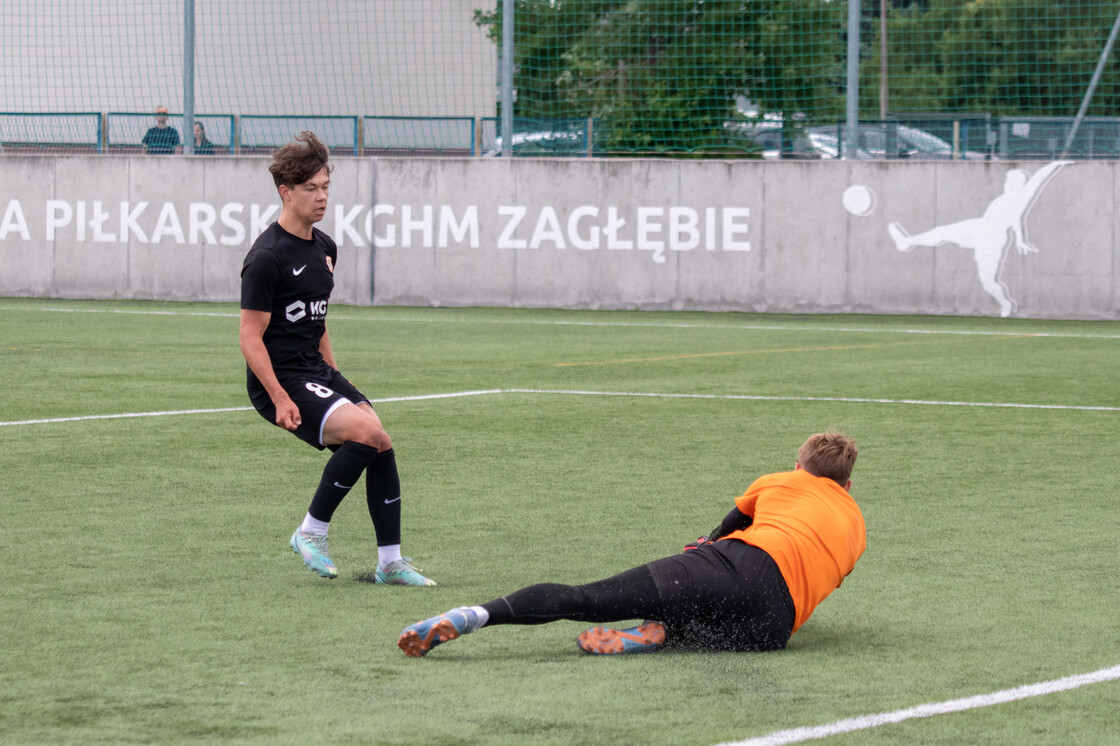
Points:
[(930, 79)]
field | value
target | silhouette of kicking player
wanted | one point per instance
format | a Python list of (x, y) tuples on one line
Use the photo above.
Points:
[(1004, 223)]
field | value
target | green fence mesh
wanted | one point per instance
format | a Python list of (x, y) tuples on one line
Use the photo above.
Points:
[(683, 78), (262, 69)]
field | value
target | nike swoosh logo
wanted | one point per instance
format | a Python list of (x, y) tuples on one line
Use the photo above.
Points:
[(392, 501), (343, 486), (297, 271)]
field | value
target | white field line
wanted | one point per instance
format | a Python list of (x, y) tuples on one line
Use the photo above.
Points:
[(791, 327), (843, 399), (121, 416), (123, 311), (561, 392), (798, 735), (126, 415)]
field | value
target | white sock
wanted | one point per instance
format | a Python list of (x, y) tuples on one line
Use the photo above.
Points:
[(483, 616), (312, 526), (388, 554)]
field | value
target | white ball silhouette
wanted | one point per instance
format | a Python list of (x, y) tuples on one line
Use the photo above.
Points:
[(859, 200)]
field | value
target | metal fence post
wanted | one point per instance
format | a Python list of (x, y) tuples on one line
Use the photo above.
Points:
[(507, 78), (188, 77), (851, 128)]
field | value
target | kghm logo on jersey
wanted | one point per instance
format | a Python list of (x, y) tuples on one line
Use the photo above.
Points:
[(295, 311), (298, 310)]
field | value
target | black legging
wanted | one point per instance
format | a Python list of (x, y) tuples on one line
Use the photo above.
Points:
[(727, 595), (628, 595)]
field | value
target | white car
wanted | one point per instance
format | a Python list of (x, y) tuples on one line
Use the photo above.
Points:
[(545, 144), (912, 144), (811, 144)]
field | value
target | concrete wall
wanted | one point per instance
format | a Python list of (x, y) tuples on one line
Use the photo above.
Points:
[(719, 235)]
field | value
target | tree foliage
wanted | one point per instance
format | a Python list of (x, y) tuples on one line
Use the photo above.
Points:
[(1002, 57), (664, 75)]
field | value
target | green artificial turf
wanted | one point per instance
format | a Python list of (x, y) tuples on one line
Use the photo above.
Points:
[(150, 595)]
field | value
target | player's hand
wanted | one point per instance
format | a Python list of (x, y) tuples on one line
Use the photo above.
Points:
[(287, 414), (698, 543)]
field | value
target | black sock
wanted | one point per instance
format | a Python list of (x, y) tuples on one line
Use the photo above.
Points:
[(383, 497), (499, 610), (629, 595), (342, 472), (537, 604)]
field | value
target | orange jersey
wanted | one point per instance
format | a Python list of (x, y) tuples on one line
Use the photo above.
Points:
[(810, 526)]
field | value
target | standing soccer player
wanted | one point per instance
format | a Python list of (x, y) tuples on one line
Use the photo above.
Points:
[(293, 379)]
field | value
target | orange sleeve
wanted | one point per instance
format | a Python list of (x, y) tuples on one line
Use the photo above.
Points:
[(746, 502), (810, 526)]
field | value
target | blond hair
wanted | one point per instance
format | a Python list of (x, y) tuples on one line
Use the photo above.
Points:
[(829, 454)]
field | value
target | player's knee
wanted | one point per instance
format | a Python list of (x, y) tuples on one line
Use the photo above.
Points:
[(372, 434)]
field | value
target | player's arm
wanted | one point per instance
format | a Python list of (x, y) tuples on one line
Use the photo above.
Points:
[(253, 326), (1044, 174), (1021, 243), (736, 520), (325, 349)]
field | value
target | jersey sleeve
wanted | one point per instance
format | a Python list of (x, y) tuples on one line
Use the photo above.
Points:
[(330, 247), (747, 501), (259, 278)]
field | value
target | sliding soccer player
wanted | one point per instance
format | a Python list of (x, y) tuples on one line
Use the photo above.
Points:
[(790, 540)]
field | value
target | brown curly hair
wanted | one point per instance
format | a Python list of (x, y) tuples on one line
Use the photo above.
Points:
[(299, 160)]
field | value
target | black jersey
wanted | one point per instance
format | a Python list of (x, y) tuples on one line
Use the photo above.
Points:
[(291, 278), (161, 140)]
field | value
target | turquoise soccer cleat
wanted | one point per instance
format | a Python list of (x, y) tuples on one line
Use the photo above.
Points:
[(316, 555), (417, 639), (401, 572)]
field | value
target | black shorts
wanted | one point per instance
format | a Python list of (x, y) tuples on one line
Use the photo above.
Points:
[(317, 395), (727, 595)]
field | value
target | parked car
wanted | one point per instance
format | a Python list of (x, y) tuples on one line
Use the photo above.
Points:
[(912, 143), (807, 144), (928, 145), (544, 144)]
